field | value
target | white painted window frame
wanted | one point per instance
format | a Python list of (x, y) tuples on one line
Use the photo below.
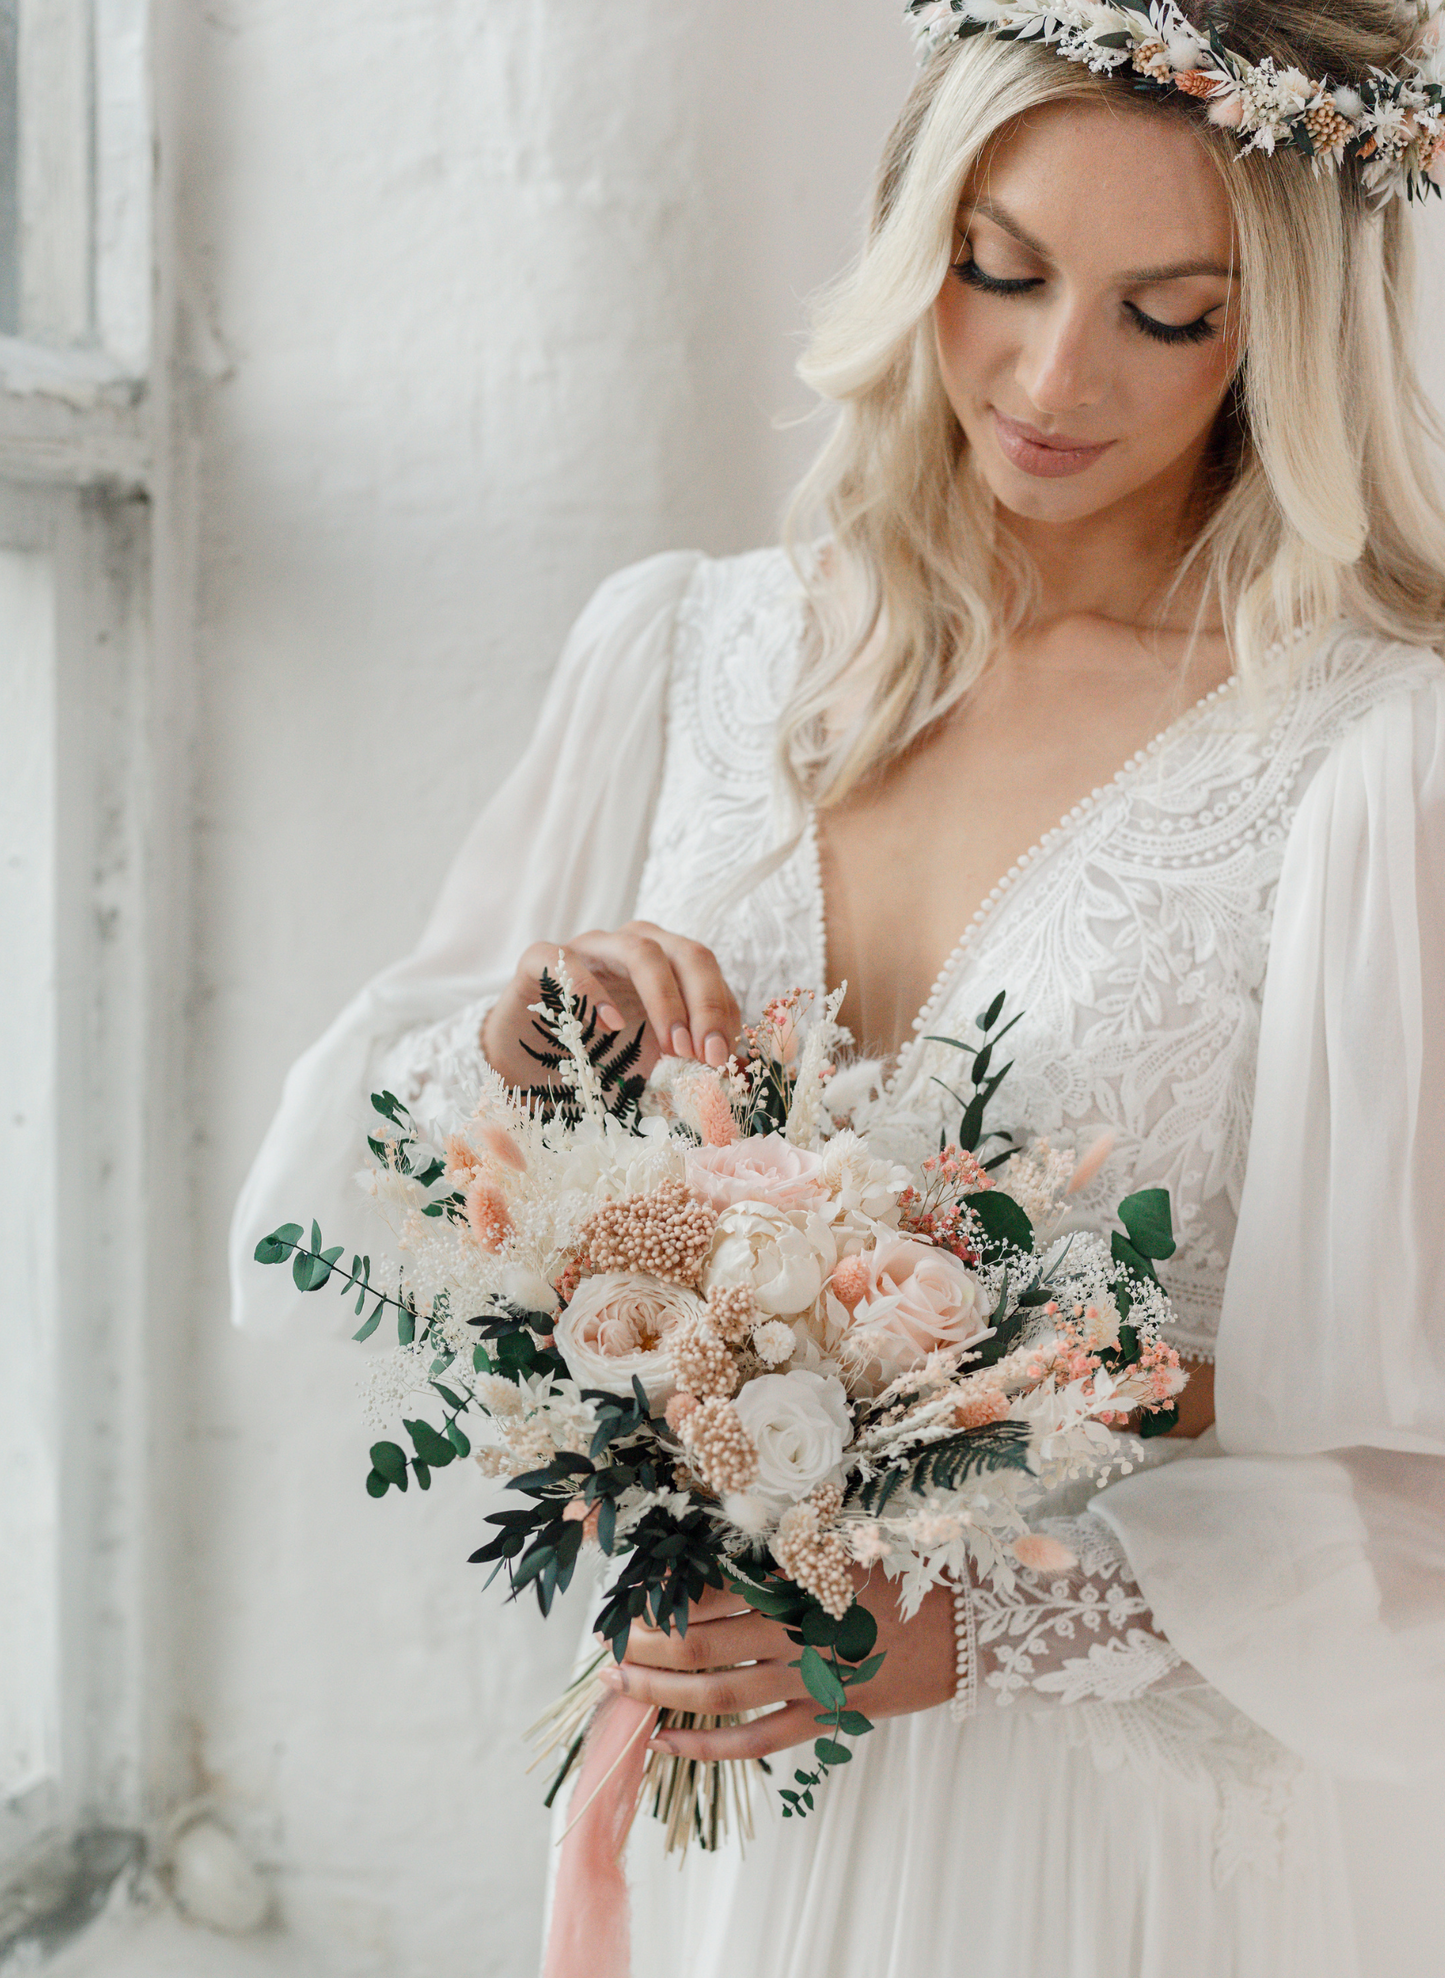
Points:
[(78, 415)]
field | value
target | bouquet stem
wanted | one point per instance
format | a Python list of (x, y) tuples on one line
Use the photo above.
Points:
[(706, 1800)]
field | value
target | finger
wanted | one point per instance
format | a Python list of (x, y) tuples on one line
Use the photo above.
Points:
[(714, 1018), (713, 1693), (637, 970), (611, 995), (707, 1644), (780, 1730)]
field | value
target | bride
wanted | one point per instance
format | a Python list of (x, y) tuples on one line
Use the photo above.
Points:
[(1104, 671)]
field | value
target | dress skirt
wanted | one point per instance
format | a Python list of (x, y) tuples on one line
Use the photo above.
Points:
[(1163, 1839)]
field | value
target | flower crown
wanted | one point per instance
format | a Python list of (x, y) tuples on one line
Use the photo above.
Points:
[(1390, 126)]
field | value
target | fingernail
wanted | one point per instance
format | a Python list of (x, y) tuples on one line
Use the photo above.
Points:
[(716, 1050), (612, 1679), (664, 1745), (611, 1016), (681, 1041)]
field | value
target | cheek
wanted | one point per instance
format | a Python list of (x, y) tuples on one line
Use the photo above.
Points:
[(1177, 395), (972, 342)]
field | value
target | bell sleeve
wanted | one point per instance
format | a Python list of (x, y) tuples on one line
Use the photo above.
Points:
[(559, 848), (1301, 1568)]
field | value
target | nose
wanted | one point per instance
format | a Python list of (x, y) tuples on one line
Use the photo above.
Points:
[(1061, 363)]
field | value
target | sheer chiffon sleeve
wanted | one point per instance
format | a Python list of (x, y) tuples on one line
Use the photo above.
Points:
[(1299, 1561), (558, 849)]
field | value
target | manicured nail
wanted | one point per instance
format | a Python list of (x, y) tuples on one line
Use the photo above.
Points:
[(681, 1041), (664, 1745), (613, 1679), (610, 1015), (716, 1050)]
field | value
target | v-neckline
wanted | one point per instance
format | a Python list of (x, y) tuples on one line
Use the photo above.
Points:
[(986, 913)]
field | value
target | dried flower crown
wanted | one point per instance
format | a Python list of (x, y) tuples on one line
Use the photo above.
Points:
[(1389, 125)]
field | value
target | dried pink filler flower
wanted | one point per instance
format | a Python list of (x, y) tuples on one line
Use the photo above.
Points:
[(462, 1160), (702, 1362), (1090, 1163), (488, 1214), (1042, 1554), (851, 1282), (722, 1452), (502, 1147), (977, 1409), (818, 1560), (705, 1094), (666, 1234), (678, 1409), (733, 1311)]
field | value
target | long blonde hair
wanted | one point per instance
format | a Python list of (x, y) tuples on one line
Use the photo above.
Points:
[(1324, 504)]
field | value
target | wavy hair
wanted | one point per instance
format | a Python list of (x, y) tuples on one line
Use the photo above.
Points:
[(1321, 500)]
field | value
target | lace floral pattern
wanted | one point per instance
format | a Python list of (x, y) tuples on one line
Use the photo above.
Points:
[(1134, 936), (1072, 1635)]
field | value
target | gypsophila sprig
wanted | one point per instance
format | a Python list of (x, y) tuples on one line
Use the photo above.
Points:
[(701, 1327)]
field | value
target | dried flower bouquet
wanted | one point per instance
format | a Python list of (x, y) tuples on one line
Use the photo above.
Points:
[(703, 1330)]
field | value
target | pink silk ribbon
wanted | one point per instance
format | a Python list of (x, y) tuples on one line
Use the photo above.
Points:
[(590, 1933)]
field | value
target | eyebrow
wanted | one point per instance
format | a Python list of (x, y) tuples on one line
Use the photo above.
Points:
[(1176, 271)]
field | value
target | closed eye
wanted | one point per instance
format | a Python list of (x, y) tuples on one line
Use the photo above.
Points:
[(970, 273), (1199, 331)]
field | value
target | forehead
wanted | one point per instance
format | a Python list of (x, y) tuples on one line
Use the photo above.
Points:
[(1110, 181)]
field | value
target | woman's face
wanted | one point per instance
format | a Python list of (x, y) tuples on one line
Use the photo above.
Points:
[(1087, 331)]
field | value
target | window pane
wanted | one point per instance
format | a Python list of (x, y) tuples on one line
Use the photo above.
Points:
[(29, 1579), (9, 169)]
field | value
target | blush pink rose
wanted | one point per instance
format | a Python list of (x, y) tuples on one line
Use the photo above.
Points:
[(919, 1300), (766, 1169)]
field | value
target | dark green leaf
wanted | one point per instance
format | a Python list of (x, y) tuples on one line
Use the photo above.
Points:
[(423, 1474), (822, 1684), (1159, 1422), (1150, 1224), (994, 1011), (277, 1247), (432, 1448), (865, 1672), (376, 1484), (830, 1752), (1002, 1218), (820, 1630), (857, 1632), (390, 1461), (1123, 1252), (457, 1437), (853, 1724)]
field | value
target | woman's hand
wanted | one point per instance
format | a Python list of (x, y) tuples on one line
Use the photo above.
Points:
[(637, 974), (732, 1659)]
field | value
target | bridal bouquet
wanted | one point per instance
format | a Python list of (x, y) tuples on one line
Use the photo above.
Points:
[(704, 1329)]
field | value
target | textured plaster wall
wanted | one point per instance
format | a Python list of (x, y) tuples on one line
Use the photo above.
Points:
[(484, 298)]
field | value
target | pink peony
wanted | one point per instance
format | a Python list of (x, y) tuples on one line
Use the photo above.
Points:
[(920, 1300), (765, 1169)]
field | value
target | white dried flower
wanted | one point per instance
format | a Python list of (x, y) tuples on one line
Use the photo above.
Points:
[(774, 1342)]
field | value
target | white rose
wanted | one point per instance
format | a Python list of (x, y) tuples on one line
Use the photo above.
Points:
[(617, 1325), (916, 1300), (782, 1256), (863, 1189), (799, 1425)]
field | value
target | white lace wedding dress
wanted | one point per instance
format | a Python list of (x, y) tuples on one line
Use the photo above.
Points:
[(1233, 956)]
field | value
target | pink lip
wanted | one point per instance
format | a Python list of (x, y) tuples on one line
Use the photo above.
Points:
[(1050, 456)]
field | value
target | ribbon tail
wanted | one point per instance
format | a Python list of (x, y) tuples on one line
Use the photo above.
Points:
[(590, 1934)]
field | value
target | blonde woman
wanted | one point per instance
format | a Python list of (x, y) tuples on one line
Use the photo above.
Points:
[(1105, 672)]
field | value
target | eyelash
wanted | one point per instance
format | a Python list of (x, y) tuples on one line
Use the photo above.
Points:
[(1201, 331)]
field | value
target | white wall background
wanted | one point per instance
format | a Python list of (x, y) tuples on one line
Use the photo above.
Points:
[(478, 300), (487, 298)]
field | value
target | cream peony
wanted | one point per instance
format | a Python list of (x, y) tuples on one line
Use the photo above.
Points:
[(919, 1300), (800, 1426), (617, 1325), (781, 1256), (767, 1169), (862, 1191)]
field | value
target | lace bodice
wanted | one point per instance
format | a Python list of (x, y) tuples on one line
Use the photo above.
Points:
[(1135, 936)]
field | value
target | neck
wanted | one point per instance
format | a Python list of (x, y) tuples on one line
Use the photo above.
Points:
[(1117, 564)]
